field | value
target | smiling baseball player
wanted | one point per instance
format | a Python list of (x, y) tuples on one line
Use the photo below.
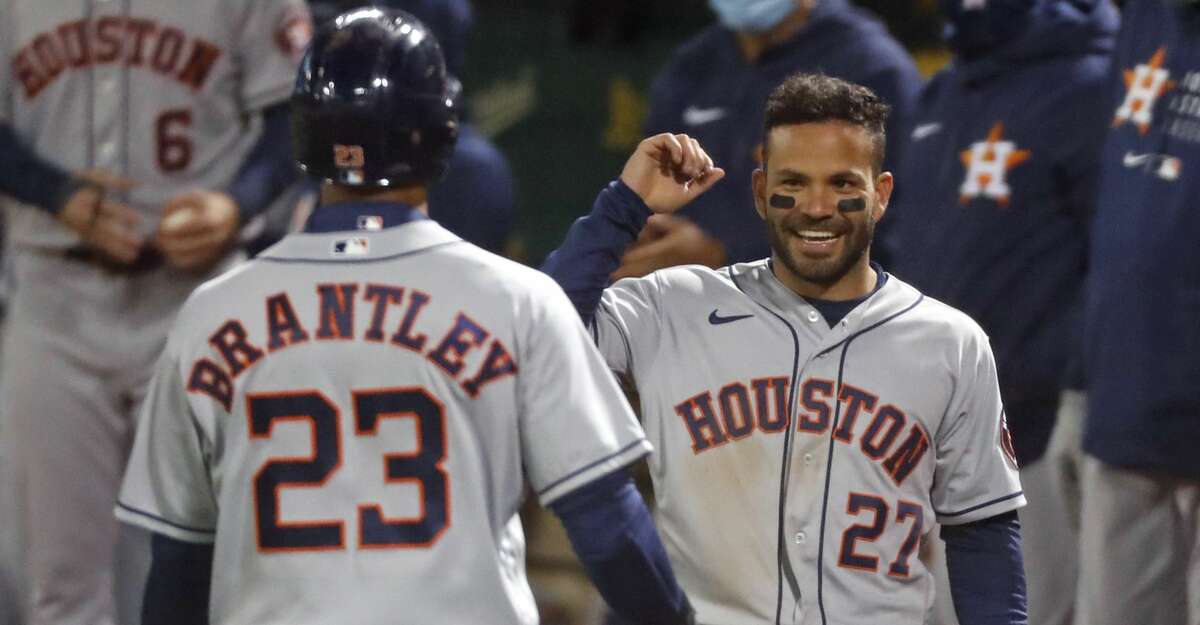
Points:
[(812, 414)]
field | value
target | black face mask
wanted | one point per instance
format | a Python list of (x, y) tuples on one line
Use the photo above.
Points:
[(976, 26)]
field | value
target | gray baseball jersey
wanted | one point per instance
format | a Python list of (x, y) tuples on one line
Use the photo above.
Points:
[(163, 92), (160, 91), (897, 423), (351, 419)]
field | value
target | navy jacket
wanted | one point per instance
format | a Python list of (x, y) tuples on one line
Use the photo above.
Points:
[(710, 92), (1142, 329), (476, 197), (995, 184)]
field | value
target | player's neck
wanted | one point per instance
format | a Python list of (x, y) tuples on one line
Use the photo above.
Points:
[(415, 196), (855, 284), (753, 45)]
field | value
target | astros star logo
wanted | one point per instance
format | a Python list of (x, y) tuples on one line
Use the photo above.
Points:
[(1146, 83), (987, 164)]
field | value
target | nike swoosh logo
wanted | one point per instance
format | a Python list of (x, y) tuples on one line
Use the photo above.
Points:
[(1133, 160), (694, 116), (924, 130), (717, 320)]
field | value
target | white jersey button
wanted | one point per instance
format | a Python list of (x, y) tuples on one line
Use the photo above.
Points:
[(813, 316), (800, 538), (808, 458), (107, 151)]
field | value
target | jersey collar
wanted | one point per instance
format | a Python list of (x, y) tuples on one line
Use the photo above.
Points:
[(361, 216), (758, 282)]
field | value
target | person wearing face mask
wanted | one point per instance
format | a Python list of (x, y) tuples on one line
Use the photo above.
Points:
[(714, 88), (1000, 166)]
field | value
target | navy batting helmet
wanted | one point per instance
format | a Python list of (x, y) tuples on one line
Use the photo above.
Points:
[(373, 104)]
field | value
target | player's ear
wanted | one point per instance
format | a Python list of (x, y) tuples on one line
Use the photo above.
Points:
[(883, 193), (758, 186)]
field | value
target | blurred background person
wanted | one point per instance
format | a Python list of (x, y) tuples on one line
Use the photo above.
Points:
[(1141, 478), (137, 138), (999, 169)]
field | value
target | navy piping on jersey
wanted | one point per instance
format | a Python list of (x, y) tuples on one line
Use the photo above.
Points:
[(159, 519), (982, 505), (355, 261), (837, 405), (783, 562), (590, 465)]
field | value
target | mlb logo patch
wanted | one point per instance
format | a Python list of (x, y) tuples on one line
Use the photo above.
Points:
[(357, 246), (370, 222)]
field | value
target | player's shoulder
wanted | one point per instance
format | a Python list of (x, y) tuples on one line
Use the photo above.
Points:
[(681, 281)]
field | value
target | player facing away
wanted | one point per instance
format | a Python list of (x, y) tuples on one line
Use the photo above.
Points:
[(341, 430), (812, 415)]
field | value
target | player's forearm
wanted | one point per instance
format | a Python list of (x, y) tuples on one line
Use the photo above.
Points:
[(614, 536), (29, 178), (177, 589), (268, 168), (987, 571), (593, 246)]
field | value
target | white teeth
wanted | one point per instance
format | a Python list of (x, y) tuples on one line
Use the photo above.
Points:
[(819, 235)]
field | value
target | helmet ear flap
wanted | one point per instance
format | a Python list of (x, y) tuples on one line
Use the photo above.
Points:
[(373, 104)]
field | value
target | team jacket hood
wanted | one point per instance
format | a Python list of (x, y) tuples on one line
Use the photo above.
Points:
[(1056, 28)]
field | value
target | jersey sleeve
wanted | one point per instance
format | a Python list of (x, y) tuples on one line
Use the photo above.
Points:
[(627, 322), (167, 488), (272, 39), (976, 473), (576, 425)]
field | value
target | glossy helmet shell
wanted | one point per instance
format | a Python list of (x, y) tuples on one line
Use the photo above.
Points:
[(373, 105)]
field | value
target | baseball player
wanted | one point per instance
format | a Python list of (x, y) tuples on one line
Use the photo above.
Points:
[(1140, 518), (812, 415), (144, 133), (343, 427)]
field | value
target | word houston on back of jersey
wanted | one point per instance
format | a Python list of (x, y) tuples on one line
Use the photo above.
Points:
[(335, 321), (130, 41), (739, 410)]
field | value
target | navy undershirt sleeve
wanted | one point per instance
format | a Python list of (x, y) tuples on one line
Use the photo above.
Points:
[(177, 590), (31, 179), (268, 168), (987, 571), (593, 246), (614, 536)]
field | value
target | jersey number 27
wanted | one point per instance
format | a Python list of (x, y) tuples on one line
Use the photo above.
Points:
[(375, 531)]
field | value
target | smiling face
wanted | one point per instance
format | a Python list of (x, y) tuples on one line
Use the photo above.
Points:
[(817, 249)]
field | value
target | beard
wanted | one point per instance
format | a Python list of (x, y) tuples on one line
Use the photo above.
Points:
[(825, 271)]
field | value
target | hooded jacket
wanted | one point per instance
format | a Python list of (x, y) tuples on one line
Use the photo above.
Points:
[(995, 184), (1142, 325)]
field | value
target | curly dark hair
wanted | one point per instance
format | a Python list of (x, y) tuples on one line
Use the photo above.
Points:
[(814, 98)]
